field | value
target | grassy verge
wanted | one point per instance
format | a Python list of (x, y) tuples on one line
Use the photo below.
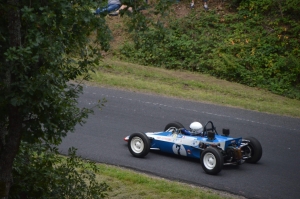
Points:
[(128, 184), (191, 86)]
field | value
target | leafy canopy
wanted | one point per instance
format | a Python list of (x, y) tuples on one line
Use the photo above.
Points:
[(60, 40)]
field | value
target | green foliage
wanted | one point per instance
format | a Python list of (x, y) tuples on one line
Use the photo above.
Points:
[(258, 45), (56, 48), (44, 46), (39, 172)]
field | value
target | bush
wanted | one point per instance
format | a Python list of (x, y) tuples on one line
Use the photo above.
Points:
[(258, 45), (39, 172)]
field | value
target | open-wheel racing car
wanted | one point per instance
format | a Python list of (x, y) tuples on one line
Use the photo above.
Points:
[(201, 142)]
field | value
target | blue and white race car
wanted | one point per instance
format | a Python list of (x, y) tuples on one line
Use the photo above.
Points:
[(201, 142)]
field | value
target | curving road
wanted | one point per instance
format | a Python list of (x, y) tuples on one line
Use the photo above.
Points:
[(277, 174)]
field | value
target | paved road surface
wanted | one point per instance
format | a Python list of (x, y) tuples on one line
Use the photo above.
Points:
[(277, 175)]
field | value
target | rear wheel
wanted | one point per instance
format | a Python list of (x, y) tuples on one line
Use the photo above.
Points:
[(174, 124), (211, 160), (139, 144), (253, 150)]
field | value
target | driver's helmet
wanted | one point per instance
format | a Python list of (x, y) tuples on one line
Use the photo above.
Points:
[(196, 128)]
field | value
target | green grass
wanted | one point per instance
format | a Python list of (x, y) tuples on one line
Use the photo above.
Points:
[(127, 184), (191, 86)]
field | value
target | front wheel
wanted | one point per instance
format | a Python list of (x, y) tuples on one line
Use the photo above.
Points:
[(253, 150), (211, 160), (139, 145)]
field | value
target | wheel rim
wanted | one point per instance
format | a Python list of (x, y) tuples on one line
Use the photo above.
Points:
[(209, 161), (247, 151), (137, 144)]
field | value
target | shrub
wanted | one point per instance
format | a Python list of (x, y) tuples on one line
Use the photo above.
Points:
[(39, 172), (257, 45)]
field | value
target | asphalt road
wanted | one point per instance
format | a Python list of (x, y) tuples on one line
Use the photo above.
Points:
[(276, 175)]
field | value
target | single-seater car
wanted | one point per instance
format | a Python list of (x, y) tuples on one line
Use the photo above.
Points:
[(201, 142)]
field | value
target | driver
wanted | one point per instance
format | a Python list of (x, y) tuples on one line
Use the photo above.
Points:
[(196, 128)]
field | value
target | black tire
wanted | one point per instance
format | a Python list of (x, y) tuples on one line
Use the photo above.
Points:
[(254, 149), (211, 160), (174, 124), (139, 145)]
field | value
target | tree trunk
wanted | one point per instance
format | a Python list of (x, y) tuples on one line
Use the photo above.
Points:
[(11, 137), (9, 151)]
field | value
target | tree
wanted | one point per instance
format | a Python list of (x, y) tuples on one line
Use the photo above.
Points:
[(43, 46)]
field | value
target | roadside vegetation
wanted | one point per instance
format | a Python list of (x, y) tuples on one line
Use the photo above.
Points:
[(255, 43)]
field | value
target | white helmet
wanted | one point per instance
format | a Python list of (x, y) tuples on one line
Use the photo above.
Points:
[(196, 128)]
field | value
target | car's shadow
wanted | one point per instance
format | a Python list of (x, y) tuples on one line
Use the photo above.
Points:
[(175, 156)]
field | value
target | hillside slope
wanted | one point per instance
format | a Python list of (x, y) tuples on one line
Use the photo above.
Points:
[(178, 10)]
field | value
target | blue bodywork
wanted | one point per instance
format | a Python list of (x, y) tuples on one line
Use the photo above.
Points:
[(187, 145)]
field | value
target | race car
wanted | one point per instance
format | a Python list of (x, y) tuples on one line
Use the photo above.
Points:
[(201, 142)]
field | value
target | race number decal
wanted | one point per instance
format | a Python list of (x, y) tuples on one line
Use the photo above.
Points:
[(179, 149)]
